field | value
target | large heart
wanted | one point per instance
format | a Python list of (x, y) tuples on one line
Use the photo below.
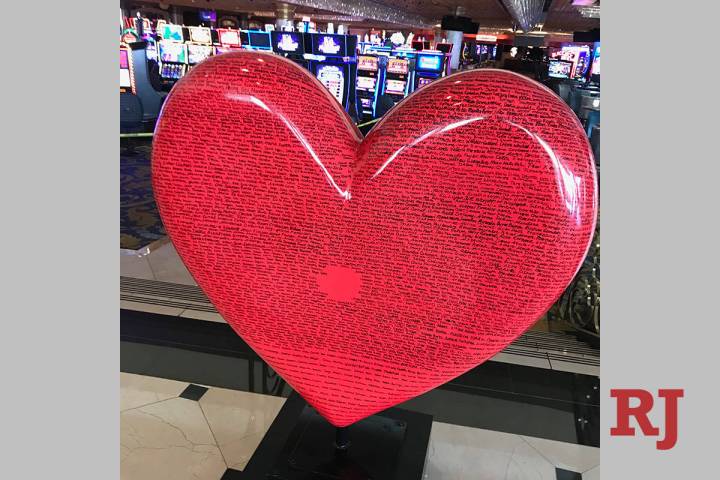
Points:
[(366, 272)]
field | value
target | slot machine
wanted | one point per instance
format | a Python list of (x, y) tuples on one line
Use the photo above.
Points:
[(290, 45), (228, 39), (577, 54), (397, 79), (140, 103), (335, 66), (429, 66), (199, 47), (369, 79), (172, 53)]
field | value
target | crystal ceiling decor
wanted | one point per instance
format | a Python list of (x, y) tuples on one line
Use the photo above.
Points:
[(590, 12), (315, 17), (368, 10), (527, 13)]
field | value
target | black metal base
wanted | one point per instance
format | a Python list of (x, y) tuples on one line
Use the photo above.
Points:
[(301, 444)]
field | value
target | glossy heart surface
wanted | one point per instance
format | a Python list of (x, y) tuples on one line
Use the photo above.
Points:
[(368, 271)]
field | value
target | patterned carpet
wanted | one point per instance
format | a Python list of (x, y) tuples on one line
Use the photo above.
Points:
[(140, 223)]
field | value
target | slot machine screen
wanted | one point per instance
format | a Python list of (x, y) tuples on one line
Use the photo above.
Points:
[(366, 83), (124, 69), (229, 37), (200, 35), (429, 62), (259, 39), (396, 65), (326, 44), (366, 103), (417, 45), (395, 86), (287, 42), (198, 53), (172, 32), (422, 81), (173, 52), (367, 64), (559, 69), (332, 77)]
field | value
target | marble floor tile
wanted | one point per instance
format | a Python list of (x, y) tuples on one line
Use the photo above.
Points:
[(593, 474), (135, 266), (461, 453), (168, 440), (139, 390), (168, 267), (239, 421), (568, 456)]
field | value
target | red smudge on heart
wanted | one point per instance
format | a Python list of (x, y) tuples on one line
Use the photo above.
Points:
[(339, 283), (369, 271)]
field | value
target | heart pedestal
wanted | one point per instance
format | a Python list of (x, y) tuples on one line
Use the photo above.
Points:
[(299, 445)]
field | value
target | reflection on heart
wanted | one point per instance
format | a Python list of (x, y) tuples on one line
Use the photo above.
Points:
[(368, 271)]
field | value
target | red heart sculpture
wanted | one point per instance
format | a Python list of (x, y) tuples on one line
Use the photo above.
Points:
[(366, 272)]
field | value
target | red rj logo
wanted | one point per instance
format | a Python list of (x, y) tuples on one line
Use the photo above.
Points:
[(625, 411)]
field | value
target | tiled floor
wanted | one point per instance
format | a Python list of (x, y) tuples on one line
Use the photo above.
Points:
[(162, 263), (167, 436)]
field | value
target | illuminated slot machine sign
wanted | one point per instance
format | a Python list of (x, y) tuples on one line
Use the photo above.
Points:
[(172, 33), (198, 53), (229, 39), (127, 85), (560, 68), (332, 45), (287, 42), (200, 35), (397, 65), (367, 63)]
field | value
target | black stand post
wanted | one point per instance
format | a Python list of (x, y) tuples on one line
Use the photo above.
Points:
[(342, 439), (301, 445)]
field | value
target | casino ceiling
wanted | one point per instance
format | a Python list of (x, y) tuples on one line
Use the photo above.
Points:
[(549, 15)]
